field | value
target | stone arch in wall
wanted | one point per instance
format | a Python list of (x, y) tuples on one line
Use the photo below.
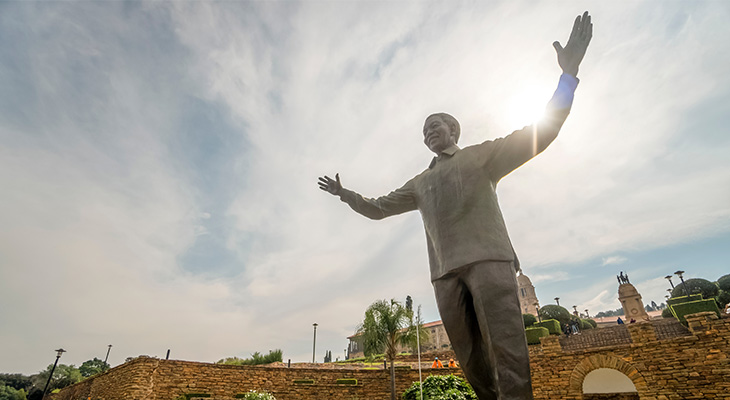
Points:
[(588, 364)]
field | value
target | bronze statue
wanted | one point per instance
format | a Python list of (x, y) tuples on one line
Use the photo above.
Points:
[(473, 264)]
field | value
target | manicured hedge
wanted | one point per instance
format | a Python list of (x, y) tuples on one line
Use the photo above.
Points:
[(692, 307), (585, 324), (684, 299), (535, 333), (552, 325)]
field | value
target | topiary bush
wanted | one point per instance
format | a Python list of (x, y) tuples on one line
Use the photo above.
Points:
[(667, 313), (701, 286), (534, 333), (444, 387), (528, 319), (724, 282), (552, 311), (585, 324), (723, 298), (692, 307), (552, 325), (593, 323)]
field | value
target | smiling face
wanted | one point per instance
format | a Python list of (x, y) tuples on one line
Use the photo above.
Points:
[(437, 134)]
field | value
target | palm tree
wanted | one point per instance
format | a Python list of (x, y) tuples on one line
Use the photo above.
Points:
[(388, 324)]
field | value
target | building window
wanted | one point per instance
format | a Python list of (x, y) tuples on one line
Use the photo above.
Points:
[(523, 292)]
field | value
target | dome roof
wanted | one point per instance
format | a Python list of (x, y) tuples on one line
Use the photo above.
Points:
[(523, 280)]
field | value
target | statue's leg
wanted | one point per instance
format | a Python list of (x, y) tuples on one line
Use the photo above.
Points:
[(494, 288), (456, 307)]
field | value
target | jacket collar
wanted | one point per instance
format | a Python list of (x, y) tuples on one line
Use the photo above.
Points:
[(449, 151)]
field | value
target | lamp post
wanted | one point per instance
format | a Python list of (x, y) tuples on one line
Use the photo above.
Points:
[(314, 341), (681, 278), (587, 315), (537, 311), (575, 310), (557, 300), (107, 353), (59, 352), (669, 278)]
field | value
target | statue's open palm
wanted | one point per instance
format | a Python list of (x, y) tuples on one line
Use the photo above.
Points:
[(570, 56)]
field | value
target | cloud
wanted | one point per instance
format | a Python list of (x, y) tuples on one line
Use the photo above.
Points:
[(611, 260)]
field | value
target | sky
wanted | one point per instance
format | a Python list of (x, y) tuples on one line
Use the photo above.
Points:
[(159, 160)]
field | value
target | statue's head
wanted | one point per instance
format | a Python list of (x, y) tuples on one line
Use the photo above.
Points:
[(440, 131)]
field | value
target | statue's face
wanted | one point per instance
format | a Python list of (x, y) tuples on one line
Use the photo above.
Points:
[(437, 134)]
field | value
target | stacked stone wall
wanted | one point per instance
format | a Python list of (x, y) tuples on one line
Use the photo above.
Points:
[(154, 379), (664, 363), (694, 366)]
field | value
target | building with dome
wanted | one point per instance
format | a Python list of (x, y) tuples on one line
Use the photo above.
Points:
[(526, 294)]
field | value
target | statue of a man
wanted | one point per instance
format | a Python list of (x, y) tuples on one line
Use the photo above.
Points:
[(473, 264)]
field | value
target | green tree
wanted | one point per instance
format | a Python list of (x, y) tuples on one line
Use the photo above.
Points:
[(388, 324), (552, 311), (16, 381), (11, 393), (667, 313), (445, 387), (707, 289), (64, 375), (528, 319), (92, 367)]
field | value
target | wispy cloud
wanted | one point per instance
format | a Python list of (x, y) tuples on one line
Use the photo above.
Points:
[(612, 260)]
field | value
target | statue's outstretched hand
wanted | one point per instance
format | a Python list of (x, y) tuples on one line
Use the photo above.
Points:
[(570, 56), (333, 186)]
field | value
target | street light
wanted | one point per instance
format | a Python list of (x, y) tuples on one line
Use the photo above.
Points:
[(314, 342), (681, 278), (557, 300), (59, 352), (107, 353), (669, 278), (537, 310), (587, 315)]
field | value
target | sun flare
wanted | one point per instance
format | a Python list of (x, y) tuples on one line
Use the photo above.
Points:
[(527, 106)]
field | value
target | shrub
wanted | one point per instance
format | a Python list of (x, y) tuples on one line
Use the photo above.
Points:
[(723, 298), (529, 319), (724, 282), (444, 387), (552, 311), (667, 313), (254, 395), (704, 287), (553, 326), (585, 324), (682, 309), (592, 322), (256, 359), (534, 333)]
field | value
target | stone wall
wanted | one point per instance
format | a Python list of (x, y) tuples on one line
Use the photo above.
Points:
[(695, 365), (148, 378), (664, 362)]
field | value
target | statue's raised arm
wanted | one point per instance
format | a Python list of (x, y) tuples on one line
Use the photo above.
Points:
[(570, 56)]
